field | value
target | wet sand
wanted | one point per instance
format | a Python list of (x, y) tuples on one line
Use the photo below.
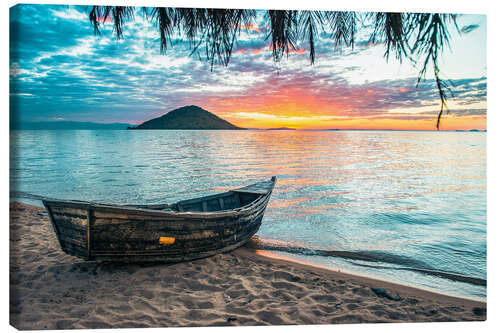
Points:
[(51, 290)]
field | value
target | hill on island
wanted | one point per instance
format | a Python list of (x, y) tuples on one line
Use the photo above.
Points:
[(187, 117), (281, 129)]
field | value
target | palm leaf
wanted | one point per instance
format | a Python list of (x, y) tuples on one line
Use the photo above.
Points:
[(406, 35), (432, 36), (283, 33), (343, 27)]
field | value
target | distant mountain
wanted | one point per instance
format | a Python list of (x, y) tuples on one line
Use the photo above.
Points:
[(66, 125), (281, 129), (471, 130), (188, 117)]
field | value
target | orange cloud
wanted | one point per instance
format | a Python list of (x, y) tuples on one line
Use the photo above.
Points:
[(300, 51), (249, 27), (270, 48), (298, 107), (290, 106), (103, 19), (257, 51), (240, 51)]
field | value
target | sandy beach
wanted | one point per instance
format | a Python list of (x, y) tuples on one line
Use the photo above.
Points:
[(51, 290)]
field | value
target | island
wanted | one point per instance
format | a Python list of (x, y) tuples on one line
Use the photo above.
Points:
[(281, 129), (190, 117)]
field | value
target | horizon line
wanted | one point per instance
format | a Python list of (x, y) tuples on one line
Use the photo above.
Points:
[(260, 129)]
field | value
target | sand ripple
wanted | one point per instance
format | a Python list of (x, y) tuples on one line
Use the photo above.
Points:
[(50, 290)]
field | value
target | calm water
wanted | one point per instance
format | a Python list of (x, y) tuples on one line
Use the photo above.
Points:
[(411, 199)]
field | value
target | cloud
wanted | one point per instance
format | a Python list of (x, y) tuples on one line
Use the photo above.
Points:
[(59, 68)]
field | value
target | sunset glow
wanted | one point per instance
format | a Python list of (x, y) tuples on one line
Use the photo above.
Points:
[(297, 121), (299, 108), (84, 77)]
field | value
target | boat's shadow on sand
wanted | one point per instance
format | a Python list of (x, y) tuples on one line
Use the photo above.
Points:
[(95, 267)]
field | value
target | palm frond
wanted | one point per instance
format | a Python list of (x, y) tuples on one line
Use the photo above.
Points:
[(308, 25), (432, 36), (222, 26), (166, 19), (390, 28), (283, 32), (118, 14), (343, 27)]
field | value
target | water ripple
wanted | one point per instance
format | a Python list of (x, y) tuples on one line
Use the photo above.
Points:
[(419, 196)]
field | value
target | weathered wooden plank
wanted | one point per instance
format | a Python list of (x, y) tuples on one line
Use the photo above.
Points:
[(153, 236), (180, 239), (101, 213), (74, 249), (103, 219), (155, 257), (90, 226), (167, 251), (192, 207), (61, 214), (67, 204), (180, 215), (69, 211), (70, 222), (101, 226), (187, 245), (238, 200), (52, 222), (74, 234), (152, 206), (126, 242), (69, 239)]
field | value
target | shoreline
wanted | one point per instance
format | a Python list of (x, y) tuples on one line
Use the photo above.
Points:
[(51, 290), (249, 251), (370, 281)]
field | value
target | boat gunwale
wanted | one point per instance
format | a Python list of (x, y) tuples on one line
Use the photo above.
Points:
[(86, 205)]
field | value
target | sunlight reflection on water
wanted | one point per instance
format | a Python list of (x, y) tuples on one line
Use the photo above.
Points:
[(421, 194)]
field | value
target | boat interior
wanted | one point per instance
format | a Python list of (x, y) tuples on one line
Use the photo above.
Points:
[(224, 201), (218, 202)]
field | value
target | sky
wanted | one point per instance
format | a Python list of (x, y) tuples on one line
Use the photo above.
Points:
[(60, 70)]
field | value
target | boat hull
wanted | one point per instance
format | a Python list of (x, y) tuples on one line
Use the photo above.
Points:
[(117, 233)]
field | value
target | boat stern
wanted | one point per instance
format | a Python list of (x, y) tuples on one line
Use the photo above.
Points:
[(70, 222)]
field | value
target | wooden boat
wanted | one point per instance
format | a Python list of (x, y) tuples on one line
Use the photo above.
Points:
[(182, 231)]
